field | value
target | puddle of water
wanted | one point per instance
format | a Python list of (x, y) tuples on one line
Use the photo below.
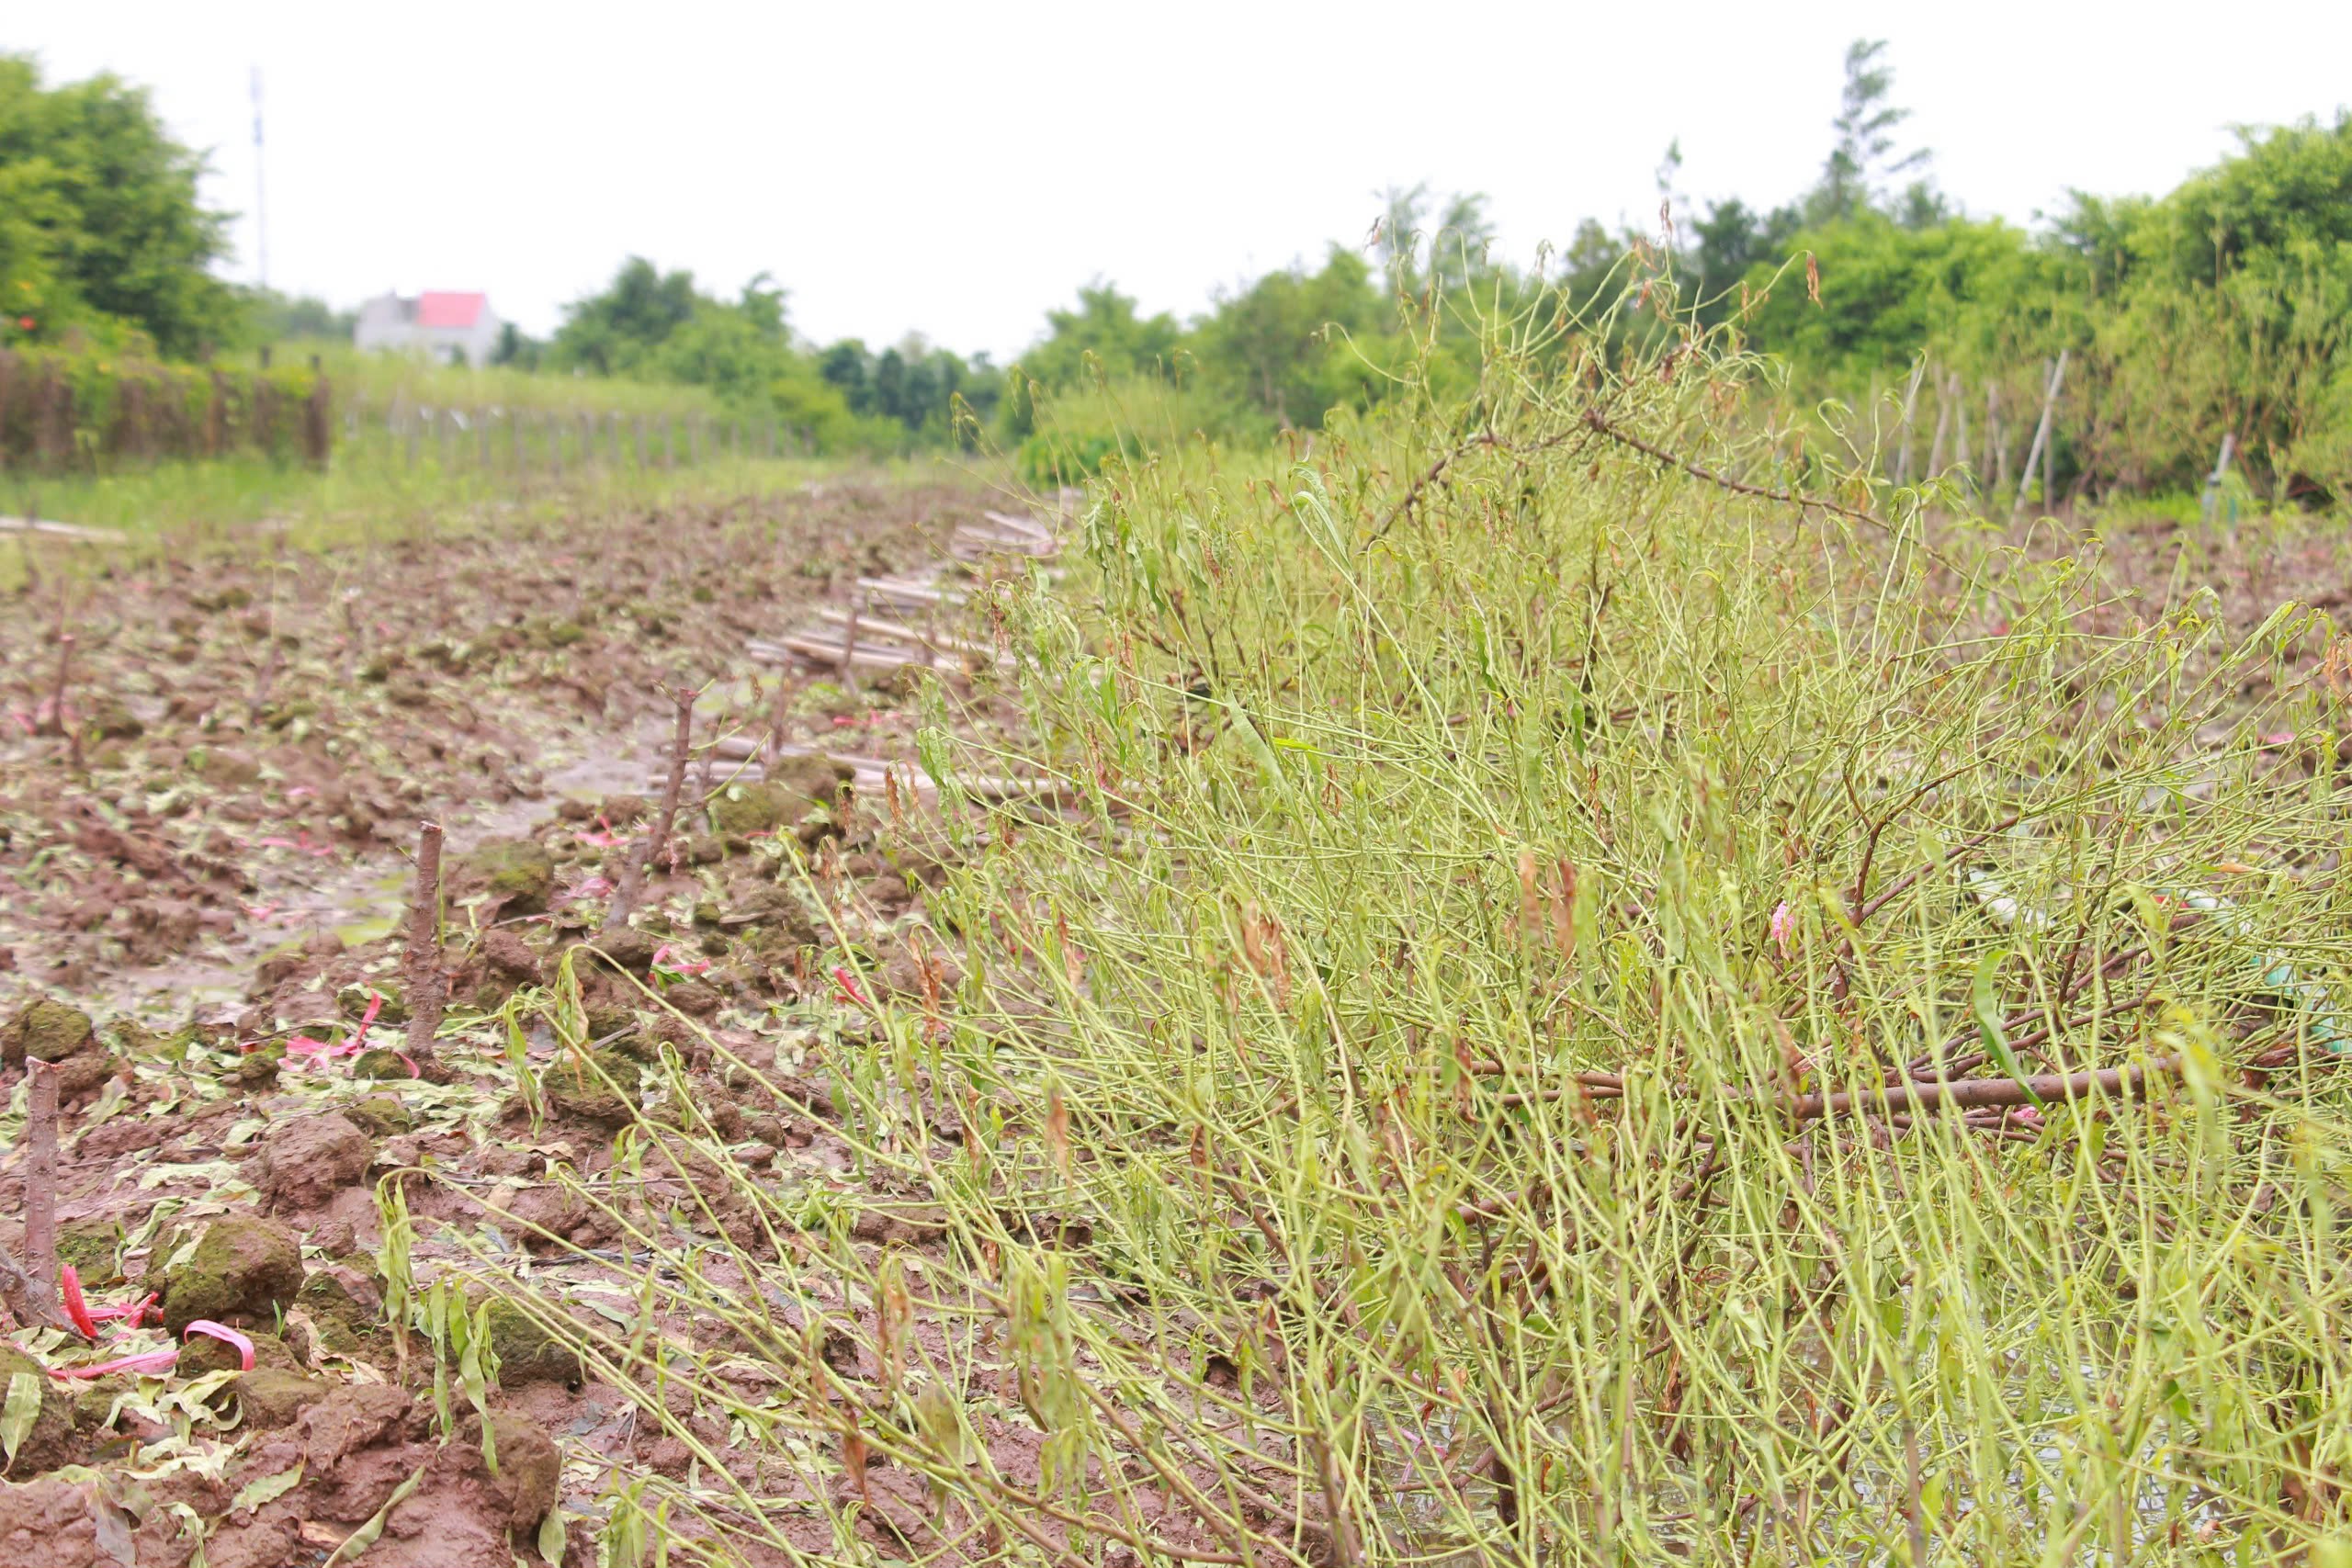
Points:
[(360, 901)]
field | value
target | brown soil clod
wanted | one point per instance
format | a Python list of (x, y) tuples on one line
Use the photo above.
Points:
[(304, 1162)]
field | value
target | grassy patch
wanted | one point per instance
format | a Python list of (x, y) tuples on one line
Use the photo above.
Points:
[(1585, 1012)]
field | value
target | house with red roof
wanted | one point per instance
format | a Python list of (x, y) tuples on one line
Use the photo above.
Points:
[(445, 326)]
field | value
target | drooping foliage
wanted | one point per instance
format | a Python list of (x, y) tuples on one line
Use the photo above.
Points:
[(102, 232)]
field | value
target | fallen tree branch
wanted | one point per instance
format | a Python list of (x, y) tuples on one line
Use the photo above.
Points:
[(1970, 1093)]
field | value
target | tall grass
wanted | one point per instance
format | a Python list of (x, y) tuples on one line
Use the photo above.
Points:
[(1121, 420), (1565, 1030)]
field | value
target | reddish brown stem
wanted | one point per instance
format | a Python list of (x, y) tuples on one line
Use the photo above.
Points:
[(2124, 1082), (782, 713), (681, 743), (625, 892), (1896, 889), (66, 725), (64, 669)]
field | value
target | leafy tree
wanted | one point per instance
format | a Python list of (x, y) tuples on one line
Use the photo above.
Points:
[(2287, 186), (846, 365), (618, 328), (1864, 159), (273, 317), (1280, 345), (913, 385), (1108, 329), (2226, 306), (1458, 236), (517, 348), (735, 349), (1730, 242), (1968, 289), (100, 228)]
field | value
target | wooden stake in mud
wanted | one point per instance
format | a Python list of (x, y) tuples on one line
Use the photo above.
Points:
[(24, 543), (30, 1288), (40, 1170), (64, 673), (66, 725), (849, 651), (427, 982), (681, 743), (625, 892), (780, 715)]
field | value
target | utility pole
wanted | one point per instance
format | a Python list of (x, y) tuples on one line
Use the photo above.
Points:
[(261, 208)]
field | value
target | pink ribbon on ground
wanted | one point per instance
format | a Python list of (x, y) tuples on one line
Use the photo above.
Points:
[(164, 1359), (227, 1335), (69, 1288), (587, 887), (664, 957), (149, 1361), (352, 1044), (301, 840), (86, 1317)]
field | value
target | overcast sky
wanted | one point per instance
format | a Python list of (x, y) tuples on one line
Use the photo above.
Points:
[(955, 170)]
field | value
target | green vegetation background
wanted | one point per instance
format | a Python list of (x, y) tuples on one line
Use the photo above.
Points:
[(2221, 307)]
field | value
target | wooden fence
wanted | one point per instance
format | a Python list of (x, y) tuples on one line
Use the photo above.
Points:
[(82, 413), (79, 413)]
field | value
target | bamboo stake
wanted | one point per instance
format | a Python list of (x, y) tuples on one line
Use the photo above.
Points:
[(1943, 428), (1992, 436), (1960, 407), (2040, 441), (938, 641), (1910, 405)]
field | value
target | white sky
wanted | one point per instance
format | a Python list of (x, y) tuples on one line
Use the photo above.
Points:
[(957, 169)]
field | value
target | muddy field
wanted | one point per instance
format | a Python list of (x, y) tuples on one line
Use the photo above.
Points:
[(212, 781), (205, 926)]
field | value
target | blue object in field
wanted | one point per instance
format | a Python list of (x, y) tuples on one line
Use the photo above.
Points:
[(2216, 499)]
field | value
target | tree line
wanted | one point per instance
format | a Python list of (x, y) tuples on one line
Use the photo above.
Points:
[(2221, 308)]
